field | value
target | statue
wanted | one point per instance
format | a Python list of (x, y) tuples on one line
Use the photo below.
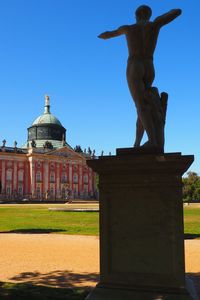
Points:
[(33, 144), (47, 99), (151, 107), (4, 143), (78, 149), (93, 153), (89, 151), (48, 145)]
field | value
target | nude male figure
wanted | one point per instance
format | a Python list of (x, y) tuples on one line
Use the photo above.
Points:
[(141, 40)]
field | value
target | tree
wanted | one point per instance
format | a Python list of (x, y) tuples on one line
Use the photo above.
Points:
[(191, 187)]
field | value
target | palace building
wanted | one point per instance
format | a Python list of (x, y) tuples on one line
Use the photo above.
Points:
[(46, 167)]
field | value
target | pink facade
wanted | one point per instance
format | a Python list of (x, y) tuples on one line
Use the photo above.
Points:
[(45, 176), (46, 167)]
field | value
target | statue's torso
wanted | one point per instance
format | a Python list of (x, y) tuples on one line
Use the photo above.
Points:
[(141, 40)]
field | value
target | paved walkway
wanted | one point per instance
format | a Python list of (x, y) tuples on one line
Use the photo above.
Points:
[(64, 260)]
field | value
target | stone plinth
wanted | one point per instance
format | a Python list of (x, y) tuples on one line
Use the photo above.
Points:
[(141, 226)]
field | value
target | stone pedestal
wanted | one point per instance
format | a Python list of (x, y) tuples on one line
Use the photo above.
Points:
[(141, 226)]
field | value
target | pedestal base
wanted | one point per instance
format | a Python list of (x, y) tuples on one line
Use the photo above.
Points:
[(141, 226), (101, 293)]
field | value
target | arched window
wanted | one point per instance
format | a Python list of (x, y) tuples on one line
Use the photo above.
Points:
[(38, 177), (9, 175)]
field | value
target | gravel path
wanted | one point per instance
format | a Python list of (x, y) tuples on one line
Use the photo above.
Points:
[(64, 260), (53, 259)]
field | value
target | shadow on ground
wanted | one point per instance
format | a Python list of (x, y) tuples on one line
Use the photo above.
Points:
[(34, 230), (24, 291), (61, 279), (191, 236), (56, 285), (37, 291), (195, 277)]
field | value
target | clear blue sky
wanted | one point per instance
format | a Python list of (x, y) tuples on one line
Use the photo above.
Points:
[(51, 47)]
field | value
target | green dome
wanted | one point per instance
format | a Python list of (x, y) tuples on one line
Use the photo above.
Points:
[(46, 118), (46, 128)]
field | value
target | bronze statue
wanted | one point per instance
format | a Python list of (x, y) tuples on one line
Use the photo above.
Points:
[(141, 40)]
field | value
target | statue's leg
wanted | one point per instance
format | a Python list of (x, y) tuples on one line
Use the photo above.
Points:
[(135, 78), (139, 133), (149, 73)]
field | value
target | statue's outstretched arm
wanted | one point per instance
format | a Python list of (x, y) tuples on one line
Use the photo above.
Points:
[(168, 17), (110, 34)]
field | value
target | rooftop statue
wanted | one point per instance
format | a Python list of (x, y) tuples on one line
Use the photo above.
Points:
[(141, 41)]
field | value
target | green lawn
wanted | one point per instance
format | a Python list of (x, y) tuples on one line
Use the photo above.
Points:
[(192, 222), (38, 219)]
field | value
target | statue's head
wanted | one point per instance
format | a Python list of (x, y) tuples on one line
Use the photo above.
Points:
[(143, 12)]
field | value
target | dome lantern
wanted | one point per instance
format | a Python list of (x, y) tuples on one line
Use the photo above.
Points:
[(47, 105), (46, 128)]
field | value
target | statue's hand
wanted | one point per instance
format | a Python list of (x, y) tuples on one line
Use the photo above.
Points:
[(104, 35)]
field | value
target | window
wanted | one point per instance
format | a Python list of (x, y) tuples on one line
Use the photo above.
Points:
[(8, 190), (52, 190), (63, 192), (85, 188), (20, 190), (52, 177), (75, 188), (64, 177), (85, 178), (38, 191), (38, 177), (75, 178), (20, 175), (9, 175)]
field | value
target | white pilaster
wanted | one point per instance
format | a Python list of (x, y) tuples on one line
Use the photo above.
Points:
[(3, 175), (46, 175), (57, 179), (15, 175), (70, 175)]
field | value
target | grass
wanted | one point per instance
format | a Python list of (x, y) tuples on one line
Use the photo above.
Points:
[(35, 218), (192, 222), (38, 219), (24, 291)]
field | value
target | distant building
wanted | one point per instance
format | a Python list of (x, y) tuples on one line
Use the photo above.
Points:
[(46, 167)]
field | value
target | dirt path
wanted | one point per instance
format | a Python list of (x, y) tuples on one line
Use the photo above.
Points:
[(63, 260), (53, 259)]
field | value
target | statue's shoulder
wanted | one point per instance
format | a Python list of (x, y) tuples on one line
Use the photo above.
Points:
[(124, 28), (131, 28)]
